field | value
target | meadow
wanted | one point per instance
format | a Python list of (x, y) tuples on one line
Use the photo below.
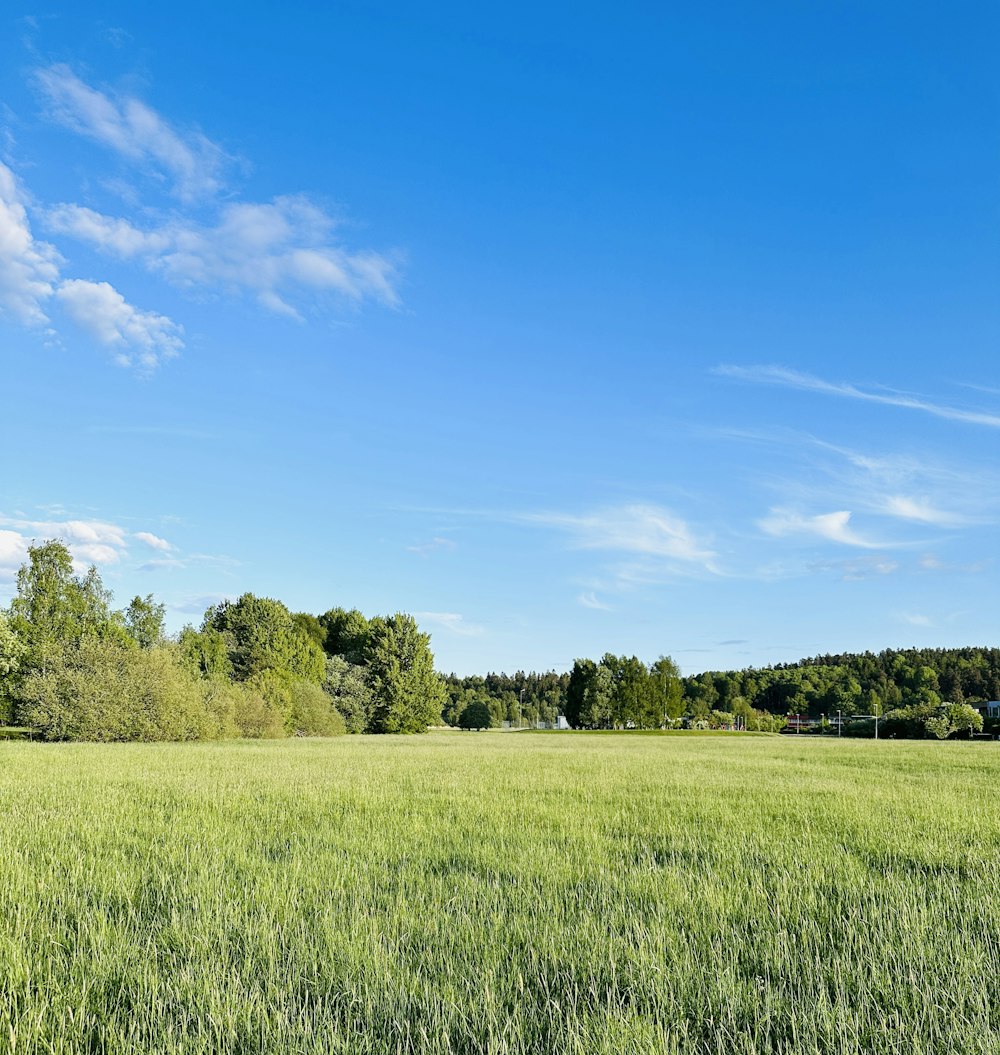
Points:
[(502, 893)]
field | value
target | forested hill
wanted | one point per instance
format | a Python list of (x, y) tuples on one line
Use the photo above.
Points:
[(855, 682)]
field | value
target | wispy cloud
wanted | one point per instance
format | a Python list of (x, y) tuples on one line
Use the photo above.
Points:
[(282, 253), (922, 511), (450, 621), (832, 527), (916, 619), (589, 599), (858, 569), (154, 541), (286, 254), (162, 564), (778, 375), (930, 562), (436, 544), (190, 161), (640, 529), (139, 337)]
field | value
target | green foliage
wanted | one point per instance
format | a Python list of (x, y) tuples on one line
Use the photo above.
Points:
[(241, 710), (964, 719), (621, 692), (865, 683), (408, 694), (476, 715), (937, 728), (312, 712), (346, 634), (97, 689), (310, 626), (12, 652), (12, 649), (347, 685), (262, 638), (206, 653), (144, 621), (54, 607)]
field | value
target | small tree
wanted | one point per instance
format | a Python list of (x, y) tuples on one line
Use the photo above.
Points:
[(408, 694), (476, 716), (965, 719), (937, 728)]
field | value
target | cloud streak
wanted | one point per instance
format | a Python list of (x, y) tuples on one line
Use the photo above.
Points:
[(190, 161), (785, 378), (831, 527), (646, 530)]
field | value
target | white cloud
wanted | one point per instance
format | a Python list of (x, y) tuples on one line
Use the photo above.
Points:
[(90, 541), (28, 268), (188, 159), (142, 337), (154, 541), (107, 233), (922, 511), (450, 621), (644, 529), (30, 275), (589, 599), (13, 552), (777, 375), (915, 619), (833, 527), (280, 253), (162, 564)]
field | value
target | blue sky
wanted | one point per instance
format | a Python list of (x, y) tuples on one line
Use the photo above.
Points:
[(571, 329)]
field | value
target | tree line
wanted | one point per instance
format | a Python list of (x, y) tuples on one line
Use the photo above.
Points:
[(72, 667), (914, 692)]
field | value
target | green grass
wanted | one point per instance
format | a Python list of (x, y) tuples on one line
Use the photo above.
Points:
[(501, 893)]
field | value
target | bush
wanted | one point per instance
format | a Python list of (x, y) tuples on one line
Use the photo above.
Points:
[(241, 710), (313, 712), (103, 690)]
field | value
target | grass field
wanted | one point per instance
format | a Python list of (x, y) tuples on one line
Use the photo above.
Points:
[(501, 893)]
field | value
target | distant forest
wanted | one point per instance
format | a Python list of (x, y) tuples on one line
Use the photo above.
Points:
[(907, 688)]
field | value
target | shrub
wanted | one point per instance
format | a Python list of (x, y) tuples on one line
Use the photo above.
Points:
[(313, 712), (100, 689)]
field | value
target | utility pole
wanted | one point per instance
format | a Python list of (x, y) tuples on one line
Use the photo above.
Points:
[(840, 722)]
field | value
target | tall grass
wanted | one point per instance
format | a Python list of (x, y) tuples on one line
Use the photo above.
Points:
[(500, 893)]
